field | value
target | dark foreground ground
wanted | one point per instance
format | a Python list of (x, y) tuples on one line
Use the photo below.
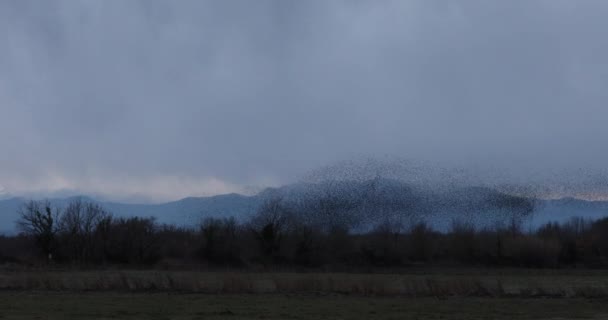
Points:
[(411, 294), (280, 306)]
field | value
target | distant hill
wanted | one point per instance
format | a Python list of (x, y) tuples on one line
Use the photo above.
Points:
[(188, 211), (8, 214), (442, 205), (375, 199), (191, 210), (563, 209)]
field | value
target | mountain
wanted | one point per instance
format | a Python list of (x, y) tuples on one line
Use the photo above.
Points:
[(8, 214), (368, 201), (184, 212), (190, 210), (440, 206), (561, 210)]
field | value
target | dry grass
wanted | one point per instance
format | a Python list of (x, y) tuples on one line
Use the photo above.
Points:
[(430, 294), (466, 284)]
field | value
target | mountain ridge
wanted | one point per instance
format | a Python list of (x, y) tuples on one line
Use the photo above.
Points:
[(190, 211)]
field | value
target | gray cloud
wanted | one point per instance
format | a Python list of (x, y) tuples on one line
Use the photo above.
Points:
[(132, 97)]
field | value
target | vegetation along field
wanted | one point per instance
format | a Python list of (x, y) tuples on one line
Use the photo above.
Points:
[(417, 294)]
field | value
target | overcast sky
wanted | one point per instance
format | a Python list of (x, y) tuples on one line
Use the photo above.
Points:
[(159, 100)]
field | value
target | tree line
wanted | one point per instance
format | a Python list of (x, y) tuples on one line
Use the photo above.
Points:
[(276, 236)]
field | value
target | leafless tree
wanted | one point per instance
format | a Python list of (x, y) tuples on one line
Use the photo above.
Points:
[(270, 225), (78, 225), (39, 220), (272, 211)]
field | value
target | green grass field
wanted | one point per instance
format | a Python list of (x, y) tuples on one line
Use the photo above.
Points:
[(279, 306)]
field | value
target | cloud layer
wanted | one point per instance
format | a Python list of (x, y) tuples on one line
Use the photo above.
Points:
[(213, 96)]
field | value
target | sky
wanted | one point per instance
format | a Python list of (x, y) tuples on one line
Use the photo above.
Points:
[(158, 100)]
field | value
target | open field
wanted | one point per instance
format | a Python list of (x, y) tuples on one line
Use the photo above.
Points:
[(281, 306), (422, 283), (415, 294)]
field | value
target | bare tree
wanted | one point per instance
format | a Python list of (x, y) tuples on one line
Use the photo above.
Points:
[(270, 224), (38, 219), (103, 232), (78, 225), (272, 211)]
